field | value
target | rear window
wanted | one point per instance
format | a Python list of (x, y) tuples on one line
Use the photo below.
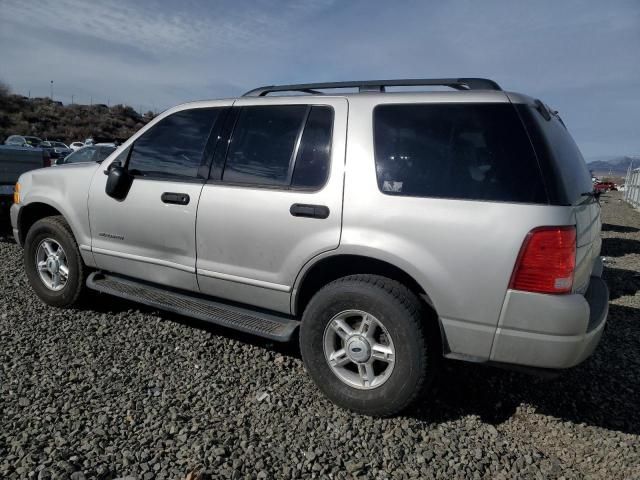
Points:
[(263, 143), (463, 151), (314, 154), (563, 166)]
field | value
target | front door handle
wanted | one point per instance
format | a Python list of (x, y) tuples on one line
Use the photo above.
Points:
[(175, 198), (310, 211)]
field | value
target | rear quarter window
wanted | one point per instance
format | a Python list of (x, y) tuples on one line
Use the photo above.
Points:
[(467, 151), (565, 171)]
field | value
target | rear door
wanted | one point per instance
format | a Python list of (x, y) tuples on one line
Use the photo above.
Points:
[(274, 199)]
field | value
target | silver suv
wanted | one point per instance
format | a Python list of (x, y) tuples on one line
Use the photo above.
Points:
[(390, 228)]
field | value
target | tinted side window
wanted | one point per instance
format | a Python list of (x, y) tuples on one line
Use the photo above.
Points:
[(314, 154), (262, 145), (564, 167), (174, 146), (462, 151)]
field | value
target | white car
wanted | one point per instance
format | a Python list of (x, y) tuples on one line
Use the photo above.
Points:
[(76, 145)]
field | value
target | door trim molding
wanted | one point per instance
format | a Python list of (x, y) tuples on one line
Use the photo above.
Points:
[(140, 258), (247, 281)]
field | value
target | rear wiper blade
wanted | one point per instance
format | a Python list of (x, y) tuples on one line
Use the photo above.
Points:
[(595, 195)]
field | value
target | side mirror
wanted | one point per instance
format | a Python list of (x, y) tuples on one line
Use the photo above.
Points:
[(118, 182)]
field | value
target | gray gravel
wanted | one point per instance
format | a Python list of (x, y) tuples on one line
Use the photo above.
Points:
[(114, 390)]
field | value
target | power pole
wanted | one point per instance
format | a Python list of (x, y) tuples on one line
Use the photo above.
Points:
[(71, 99), (51, 90)]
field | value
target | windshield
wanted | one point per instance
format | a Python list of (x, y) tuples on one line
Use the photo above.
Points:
[(104, 152), (33, 141), (86, 154)]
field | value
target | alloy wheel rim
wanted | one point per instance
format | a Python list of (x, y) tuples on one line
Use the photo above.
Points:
[(359, 349), (51, 263)]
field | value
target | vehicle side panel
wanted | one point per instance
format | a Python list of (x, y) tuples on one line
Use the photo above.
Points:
[(250, 247), (66, 189), (143, 237), (462, 253)]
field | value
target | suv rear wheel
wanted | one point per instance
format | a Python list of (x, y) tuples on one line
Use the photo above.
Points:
[(363, 342), (53, 263)]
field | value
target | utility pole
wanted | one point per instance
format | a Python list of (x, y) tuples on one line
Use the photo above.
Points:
[(91, 101), (71, 99), (51, 90)]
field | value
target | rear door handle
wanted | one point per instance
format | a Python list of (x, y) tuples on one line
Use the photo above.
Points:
[(310, 211), (176, 198)]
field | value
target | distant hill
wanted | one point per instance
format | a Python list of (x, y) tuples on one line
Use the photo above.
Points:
[(51, 120), (616, 165)]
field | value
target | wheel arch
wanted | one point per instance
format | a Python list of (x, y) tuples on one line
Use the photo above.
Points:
[(330, 268), (31, 213)]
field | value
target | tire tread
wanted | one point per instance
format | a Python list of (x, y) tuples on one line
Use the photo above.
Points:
[(58, 222), (408, 301)]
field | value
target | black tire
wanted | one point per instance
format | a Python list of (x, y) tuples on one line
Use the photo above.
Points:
[(57, 229), (401, 313)]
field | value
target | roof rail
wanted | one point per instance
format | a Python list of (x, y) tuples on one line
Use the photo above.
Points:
[(378, 85)]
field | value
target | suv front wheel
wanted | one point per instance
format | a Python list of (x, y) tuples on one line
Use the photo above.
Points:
[(53, 263), (363, 342)]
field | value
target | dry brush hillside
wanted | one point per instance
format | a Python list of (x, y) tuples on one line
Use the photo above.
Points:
[(47, 119)]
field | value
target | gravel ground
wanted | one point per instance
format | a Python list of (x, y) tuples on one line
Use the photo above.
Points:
[(117, 390)]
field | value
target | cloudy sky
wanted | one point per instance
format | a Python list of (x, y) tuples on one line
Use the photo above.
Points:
[(581, 57)]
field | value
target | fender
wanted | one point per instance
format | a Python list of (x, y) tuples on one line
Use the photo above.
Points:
[(376, 255), (65, 189)]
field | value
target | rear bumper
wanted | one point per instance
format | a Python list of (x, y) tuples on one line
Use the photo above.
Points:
[(551, 331)]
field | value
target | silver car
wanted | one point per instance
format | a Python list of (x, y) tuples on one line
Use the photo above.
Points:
[(390, 228)]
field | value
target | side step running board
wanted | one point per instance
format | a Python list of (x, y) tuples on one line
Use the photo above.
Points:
[(267, 325)]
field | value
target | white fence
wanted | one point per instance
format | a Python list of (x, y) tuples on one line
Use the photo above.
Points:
[(632, 187)]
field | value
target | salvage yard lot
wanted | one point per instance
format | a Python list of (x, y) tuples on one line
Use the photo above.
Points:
[(116, 389)]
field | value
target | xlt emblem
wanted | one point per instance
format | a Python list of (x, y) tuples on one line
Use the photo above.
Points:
[(111, 235)]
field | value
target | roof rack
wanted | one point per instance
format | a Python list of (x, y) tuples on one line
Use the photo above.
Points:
[(378, 85)]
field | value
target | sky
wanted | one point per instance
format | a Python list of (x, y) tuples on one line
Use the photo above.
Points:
[(580, 57)]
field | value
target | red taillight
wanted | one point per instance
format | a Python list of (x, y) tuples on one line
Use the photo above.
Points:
[(47, 158), (546, 261)]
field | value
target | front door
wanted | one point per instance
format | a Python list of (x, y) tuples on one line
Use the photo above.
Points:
[(150, 234), (274, 200)]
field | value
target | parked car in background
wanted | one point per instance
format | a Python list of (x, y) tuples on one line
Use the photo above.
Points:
[(76, 145), (441, 223), (602, 187), (56, 149), (23, 141), (91, 153), (14, 161)]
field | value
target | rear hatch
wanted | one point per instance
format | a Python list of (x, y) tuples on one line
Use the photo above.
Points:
[(568, 183)]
